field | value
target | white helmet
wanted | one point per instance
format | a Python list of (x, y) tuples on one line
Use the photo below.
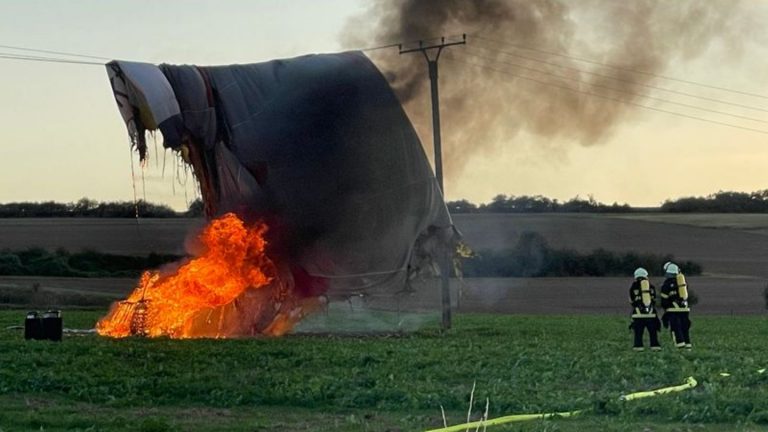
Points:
[(667, 264), (671, 268), (641, 273)]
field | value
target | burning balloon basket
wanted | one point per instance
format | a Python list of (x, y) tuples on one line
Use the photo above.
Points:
[(133, 315)]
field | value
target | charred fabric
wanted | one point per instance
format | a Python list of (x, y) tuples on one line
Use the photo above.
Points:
[(316, 147)]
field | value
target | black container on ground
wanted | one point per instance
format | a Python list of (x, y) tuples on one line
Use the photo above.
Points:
[(52, 325), (33, 326)]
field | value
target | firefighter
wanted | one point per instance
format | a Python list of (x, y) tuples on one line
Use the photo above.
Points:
[(674, 300), (642, 296)]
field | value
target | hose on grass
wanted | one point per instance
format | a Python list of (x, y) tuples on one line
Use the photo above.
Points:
[(505, 419), (690, 383)]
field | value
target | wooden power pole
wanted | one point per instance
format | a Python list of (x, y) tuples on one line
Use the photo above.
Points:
[(445, 256)]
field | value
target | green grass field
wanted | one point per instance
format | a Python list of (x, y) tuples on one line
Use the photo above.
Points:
[(522, 364)]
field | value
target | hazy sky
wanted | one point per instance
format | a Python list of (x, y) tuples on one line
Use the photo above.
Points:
[(62, 137)]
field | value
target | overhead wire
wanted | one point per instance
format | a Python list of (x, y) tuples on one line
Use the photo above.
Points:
[(16, 56), (23, 57), (619, 100), (628, 81), (45, 51), (618, 90), (11, 56), (607, 65), (375, 48)]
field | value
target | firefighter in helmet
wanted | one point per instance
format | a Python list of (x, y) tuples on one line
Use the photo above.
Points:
[(642, 296), (674, 300)]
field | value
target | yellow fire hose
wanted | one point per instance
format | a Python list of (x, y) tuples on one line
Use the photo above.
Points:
[(505, 419), (690, 382)]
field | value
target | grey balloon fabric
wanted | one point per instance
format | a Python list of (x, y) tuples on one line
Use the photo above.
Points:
[(320, 147)]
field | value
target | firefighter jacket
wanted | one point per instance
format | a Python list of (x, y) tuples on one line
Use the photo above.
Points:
[(671, 299), (642, 296)]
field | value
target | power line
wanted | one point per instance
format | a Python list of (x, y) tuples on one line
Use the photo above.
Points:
[(610, 98), (620, 90), (15, 56), (628, 81), (394, 45), (10, 56), (53, 52), (621, 68), (23, 57)]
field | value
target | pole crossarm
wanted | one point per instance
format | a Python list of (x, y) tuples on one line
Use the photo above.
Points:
[(439, 47)]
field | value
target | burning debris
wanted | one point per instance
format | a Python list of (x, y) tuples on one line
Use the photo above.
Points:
[(232, 289), (318, 148)]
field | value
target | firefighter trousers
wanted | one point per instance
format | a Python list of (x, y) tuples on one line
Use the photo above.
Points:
[(680, 325), (639, 325)]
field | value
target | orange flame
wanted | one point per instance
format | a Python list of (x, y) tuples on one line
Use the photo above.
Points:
[(232, 289)]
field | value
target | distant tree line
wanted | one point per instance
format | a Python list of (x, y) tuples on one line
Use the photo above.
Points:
[(533, 257), (536, 204), (61, 263), (720, 202), (90, 208)]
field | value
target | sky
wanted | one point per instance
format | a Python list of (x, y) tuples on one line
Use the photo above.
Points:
[(62, 138)]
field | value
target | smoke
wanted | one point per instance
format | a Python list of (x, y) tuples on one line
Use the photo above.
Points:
[(483, 109)]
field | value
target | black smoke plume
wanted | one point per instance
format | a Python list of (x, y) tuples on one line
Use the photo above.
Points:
[(487, 106)]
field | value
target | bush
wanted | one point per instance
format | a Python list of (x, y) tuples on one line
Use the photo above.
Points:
[(10, 264), (39, 262), (765, 296), (693, 298), (196, 209), (532, 257)]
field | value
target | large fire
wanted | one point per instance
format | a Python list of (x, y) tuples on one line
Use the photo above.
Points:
[(232, 289)]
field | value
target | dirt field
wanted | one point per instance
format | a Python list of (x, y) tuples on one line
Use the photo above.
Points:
[(119, 236), (754, 223), (734, 253), (108, 287), (727, 245), (718, 296), (722, 251)]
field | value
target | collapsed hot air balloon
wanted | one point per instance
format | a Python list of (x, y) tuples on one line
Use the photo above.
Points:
[(314, 181)]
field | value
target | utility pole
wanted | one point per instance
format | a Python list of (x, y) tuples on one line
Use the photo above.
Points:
[(445, 256)]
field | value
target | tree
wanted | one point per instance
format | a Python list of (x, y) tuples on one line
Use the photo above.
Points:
[(196, 209)]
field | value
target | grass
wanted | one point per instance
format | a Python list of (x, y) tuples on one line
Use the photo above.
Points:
[(41, 298), (523, 364)]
